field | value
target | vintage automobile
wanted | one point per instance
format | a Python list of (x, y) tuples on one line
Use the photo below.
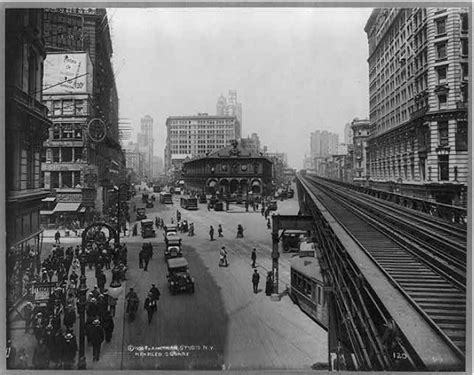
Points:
[(141, 213), (179, 278), (170, 228), (219, 206), (202, 198), (144, 197), (149, 203), (173, 247), (272, 205), (291, 193), (147, 228)]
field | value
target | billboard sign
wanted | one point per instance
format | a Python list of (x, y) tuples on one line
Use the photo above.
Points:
[(67, 73)]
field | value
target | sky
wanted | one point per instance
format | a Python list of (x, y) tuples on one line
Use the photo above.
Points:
[(295, 70)]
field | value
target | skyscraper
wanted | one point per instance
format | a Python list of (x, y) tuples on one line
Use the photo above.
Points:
[(145, 144), (229, 106)]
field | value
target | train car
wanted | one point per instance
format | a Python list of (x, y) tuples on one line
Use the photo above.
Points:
[(189, 203), (307, 288), (166, 198)]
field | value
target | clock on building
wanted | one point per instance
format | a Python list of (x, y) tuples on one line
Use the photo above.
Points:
[(97, 130)]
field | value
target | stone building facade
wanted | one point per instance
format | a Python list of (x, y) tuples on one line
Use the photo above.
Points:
[(26, 127), (418, 76), (231, 169)]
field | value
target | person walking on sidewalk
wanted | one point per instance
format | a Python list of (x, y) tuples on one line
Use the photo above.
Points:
[(255, 281), (28, 315), (254, 257), (211, 233), (269, 284), (69, 350), (219, 230), (96, 338), (57, 237), (108, 324)]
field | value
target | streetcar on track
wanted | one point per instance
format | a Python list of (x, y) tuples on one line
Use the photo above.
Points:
[(307, 288), (189, 203)]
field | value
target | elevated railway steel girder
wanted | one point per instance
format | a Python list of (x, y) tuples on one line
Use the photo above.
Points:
[(362, 334)]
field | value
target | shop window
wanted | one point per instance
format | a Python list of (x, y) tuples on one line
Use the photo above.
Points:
[(66, 154), (443, 167), (67, 131), (443, 133), (465, 71)]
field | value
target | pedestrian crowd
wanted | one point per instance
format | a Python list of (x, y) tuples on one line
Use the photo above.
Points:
[(52, 320)]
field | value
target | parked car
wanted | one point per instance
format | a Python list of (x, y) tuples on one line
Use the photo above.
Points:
[(147, 228), (179, 278)]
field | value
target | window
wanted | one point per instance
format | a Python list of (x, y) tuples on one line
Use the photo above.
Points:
[(57, 108), (441, 26), (442, 70), (443, 167), (67, 179), (441, 51), (464, 47), (68, 108), (443, 133), (77, 154), (55, 152), (54, 180), (464, 22), (78, 131), (461, 136), (66, 154), (79, 107), (465, 71), (442, 98), (77, 178)]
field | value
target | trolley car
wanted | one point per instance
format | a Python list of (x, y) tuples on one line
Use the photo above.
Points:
[(307, 289), (189, 203)]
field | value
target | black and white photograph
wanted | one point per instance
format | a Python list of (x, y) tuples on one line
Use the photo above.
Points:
[(224, 186)]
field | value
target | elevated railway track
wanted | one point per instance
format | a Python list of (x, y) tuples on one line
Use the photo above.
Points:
[(420, 257)]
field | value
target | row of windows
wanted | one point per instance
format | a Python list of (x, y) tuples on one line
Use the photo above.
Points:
[(186, 123), (67, 107), (68, 131), (65, 154), (308, 287), (65, 179)]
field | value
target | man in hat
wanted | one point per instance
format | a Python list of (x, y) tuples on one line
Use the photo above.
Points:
[(254, 257), (69, 350), (96, 337), (255, 281), (28, 315)]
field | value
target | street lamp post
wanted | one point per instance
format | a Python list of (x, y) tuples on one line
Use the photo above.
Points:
[(81, 308)]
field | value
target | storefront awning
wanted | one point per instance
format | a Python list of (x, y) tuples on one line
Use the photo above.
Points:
[(46, 212), (66, 207), (49, 199)]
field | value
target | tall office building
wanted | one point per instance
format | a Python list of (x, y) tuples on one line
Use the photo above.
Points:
[(190, 136), (323, 143), (83, 158), (418, 73), (145, 144), (229, 106)]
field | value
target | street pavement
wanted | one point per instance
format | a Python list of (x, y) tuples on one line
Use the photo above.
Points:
[(223, 325)]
